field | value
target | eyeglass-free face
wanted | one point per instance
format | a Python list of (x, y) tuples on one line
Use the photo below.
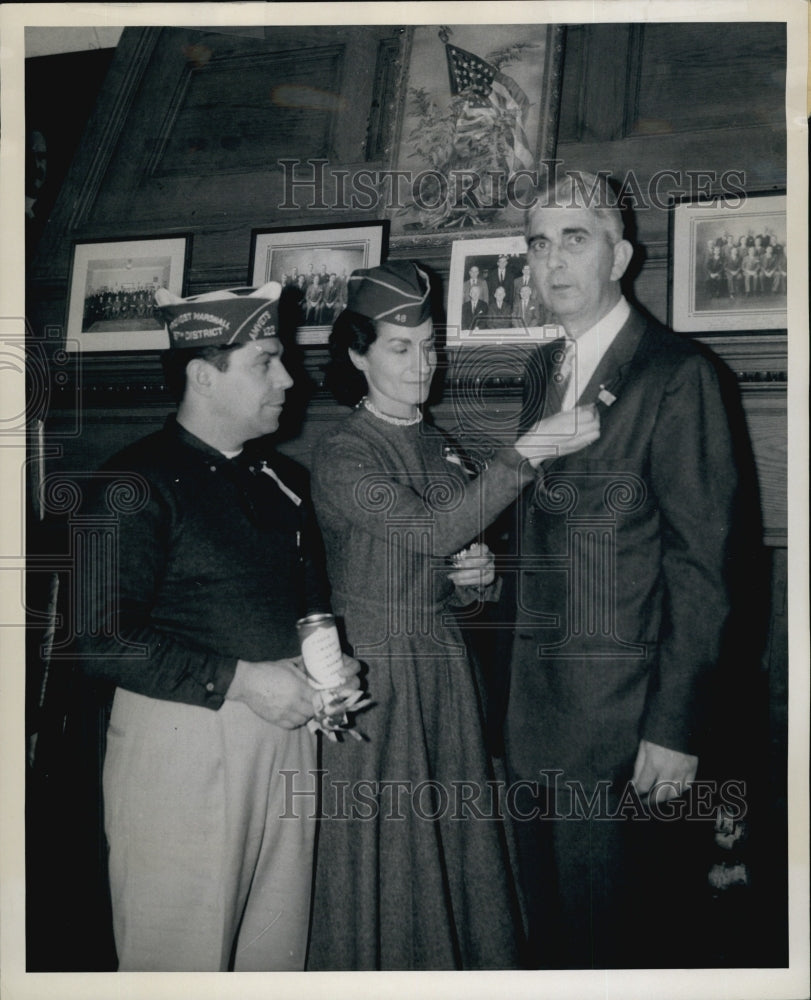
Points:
[(575, 265)]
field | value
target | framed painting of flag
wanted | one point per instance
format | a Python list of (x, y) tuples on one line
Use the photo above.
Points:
[(480, 111)]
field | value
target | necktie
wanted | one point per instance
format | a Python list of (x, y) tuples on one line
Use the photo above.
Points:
[(568, 387), (562, 363)]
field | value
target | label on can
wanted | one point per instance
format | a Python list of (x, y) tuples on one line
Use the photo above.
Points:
[(321, 649)]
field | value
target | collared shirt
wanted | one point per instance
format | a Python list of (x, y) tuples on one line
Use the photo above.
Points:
[(590, 348)]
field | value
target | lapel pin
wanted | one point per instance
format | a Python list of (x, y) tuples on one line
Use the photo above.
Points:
[(606, 397)]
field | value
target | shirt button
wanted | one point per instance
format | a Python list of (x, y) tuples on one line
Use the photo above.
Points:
[(212, 468), (209, 686)]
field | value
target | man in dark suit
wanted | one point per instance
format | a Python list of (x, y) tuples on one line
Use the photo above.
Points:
[(474, 310), (475, 282), (501, 276), (619, 599), (524, 280), (499, 316), (525, 310)]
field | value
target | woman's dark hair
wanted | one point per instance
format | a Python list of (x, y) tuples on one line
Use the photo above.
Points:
[(175, 362), (351, 331)]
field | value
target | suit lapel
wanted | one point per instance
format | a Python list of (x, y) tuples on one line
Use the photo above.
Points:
[(610, 372), (613, 367)]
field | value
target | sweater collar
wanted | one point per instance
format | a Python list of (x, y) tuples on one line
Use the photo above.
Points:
[(249, 453), (186, 437)]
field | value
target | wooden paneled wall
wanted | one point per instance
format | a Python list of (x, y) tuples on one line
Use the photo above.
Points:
[(675, 108), (169, 149), (177, 144)]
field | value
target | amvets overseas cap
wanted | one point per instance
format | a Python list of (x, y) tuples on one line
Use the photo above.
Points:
[(396, 292), (220, 319)]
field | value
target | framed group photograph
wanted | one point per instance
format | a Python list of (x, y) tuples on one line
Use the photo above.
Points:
[(314, 264), (491, 297), (111, 296), (729, 264)]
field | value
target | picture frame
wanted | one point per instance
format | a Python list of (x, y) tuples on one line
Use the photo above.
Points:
[(295, 256), (506, 317), (479, 113), (111, 305), (713, 288)]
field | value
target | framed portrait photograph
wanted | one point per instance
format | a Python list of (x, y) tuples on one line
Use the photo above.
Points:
[(491, 297), (314, 264), (728, 264), (111, 295)]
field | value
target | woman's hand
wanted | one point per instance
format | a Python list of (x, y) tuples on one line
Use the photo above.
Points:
[(476, 567), (561, 434)]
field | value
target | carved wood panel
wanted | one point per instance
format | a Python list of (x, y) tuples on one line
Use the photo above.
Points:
[(284, 106), (192, 122), (671, 74), (192, 125), (675, 106), (766, 420)]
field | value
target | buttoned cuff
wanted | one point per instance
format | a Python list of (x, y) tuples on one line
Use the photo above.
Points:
[(215, 679)]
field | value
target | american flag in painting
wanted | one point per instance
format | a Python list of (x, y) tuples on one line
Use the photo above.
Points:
[(470, 73)]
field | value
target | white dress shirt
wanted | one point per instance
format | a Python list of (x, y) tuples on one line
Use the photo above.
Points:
[(590, 348)]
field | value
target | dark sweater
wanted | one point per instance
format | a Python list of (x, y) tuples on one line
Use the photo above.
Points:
[(214, 565)]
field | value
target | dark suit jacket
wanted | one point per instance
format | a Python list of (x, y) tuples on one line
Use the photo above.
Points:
[(620, 599), (499, 318), (473, 319), (484, 292), (507, 284), (529, 316), (516, 291)]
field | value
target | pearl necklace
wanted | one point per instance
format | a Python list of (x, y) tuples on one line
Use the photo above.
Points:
[(397, 421)]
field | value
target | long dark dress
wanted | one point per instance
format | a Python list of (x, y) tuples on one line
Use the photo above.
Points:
[(406, 877)]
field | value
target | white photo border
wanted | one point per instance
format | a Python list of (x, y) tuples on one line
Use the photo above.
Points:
[(368, 242), (515, 249), (168, 253), (689, 221)]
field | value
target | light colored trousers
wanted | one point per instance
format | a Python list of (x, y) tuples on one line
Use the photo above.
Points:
[(209, 869)]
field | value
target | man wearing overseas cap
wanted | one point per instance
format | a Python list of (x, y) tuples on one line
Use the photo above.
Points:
[(403, 883), (216, 563)]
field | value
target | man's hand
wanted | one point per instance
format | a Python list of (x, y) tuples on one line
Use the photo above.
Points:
[(662, 772), (350, 681), (276, 690), (561, 434)]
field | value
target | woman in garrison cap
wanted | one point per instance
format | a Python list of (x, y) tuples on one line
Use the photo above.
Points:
[(410, 872)]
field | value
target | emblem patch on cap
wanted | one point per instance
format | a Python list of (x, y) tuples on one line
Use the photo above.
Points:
[(397, 292), (219, 319)]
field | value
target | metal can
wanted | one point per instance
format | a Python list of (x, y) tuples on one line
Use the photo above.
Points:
[(321, 649)]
